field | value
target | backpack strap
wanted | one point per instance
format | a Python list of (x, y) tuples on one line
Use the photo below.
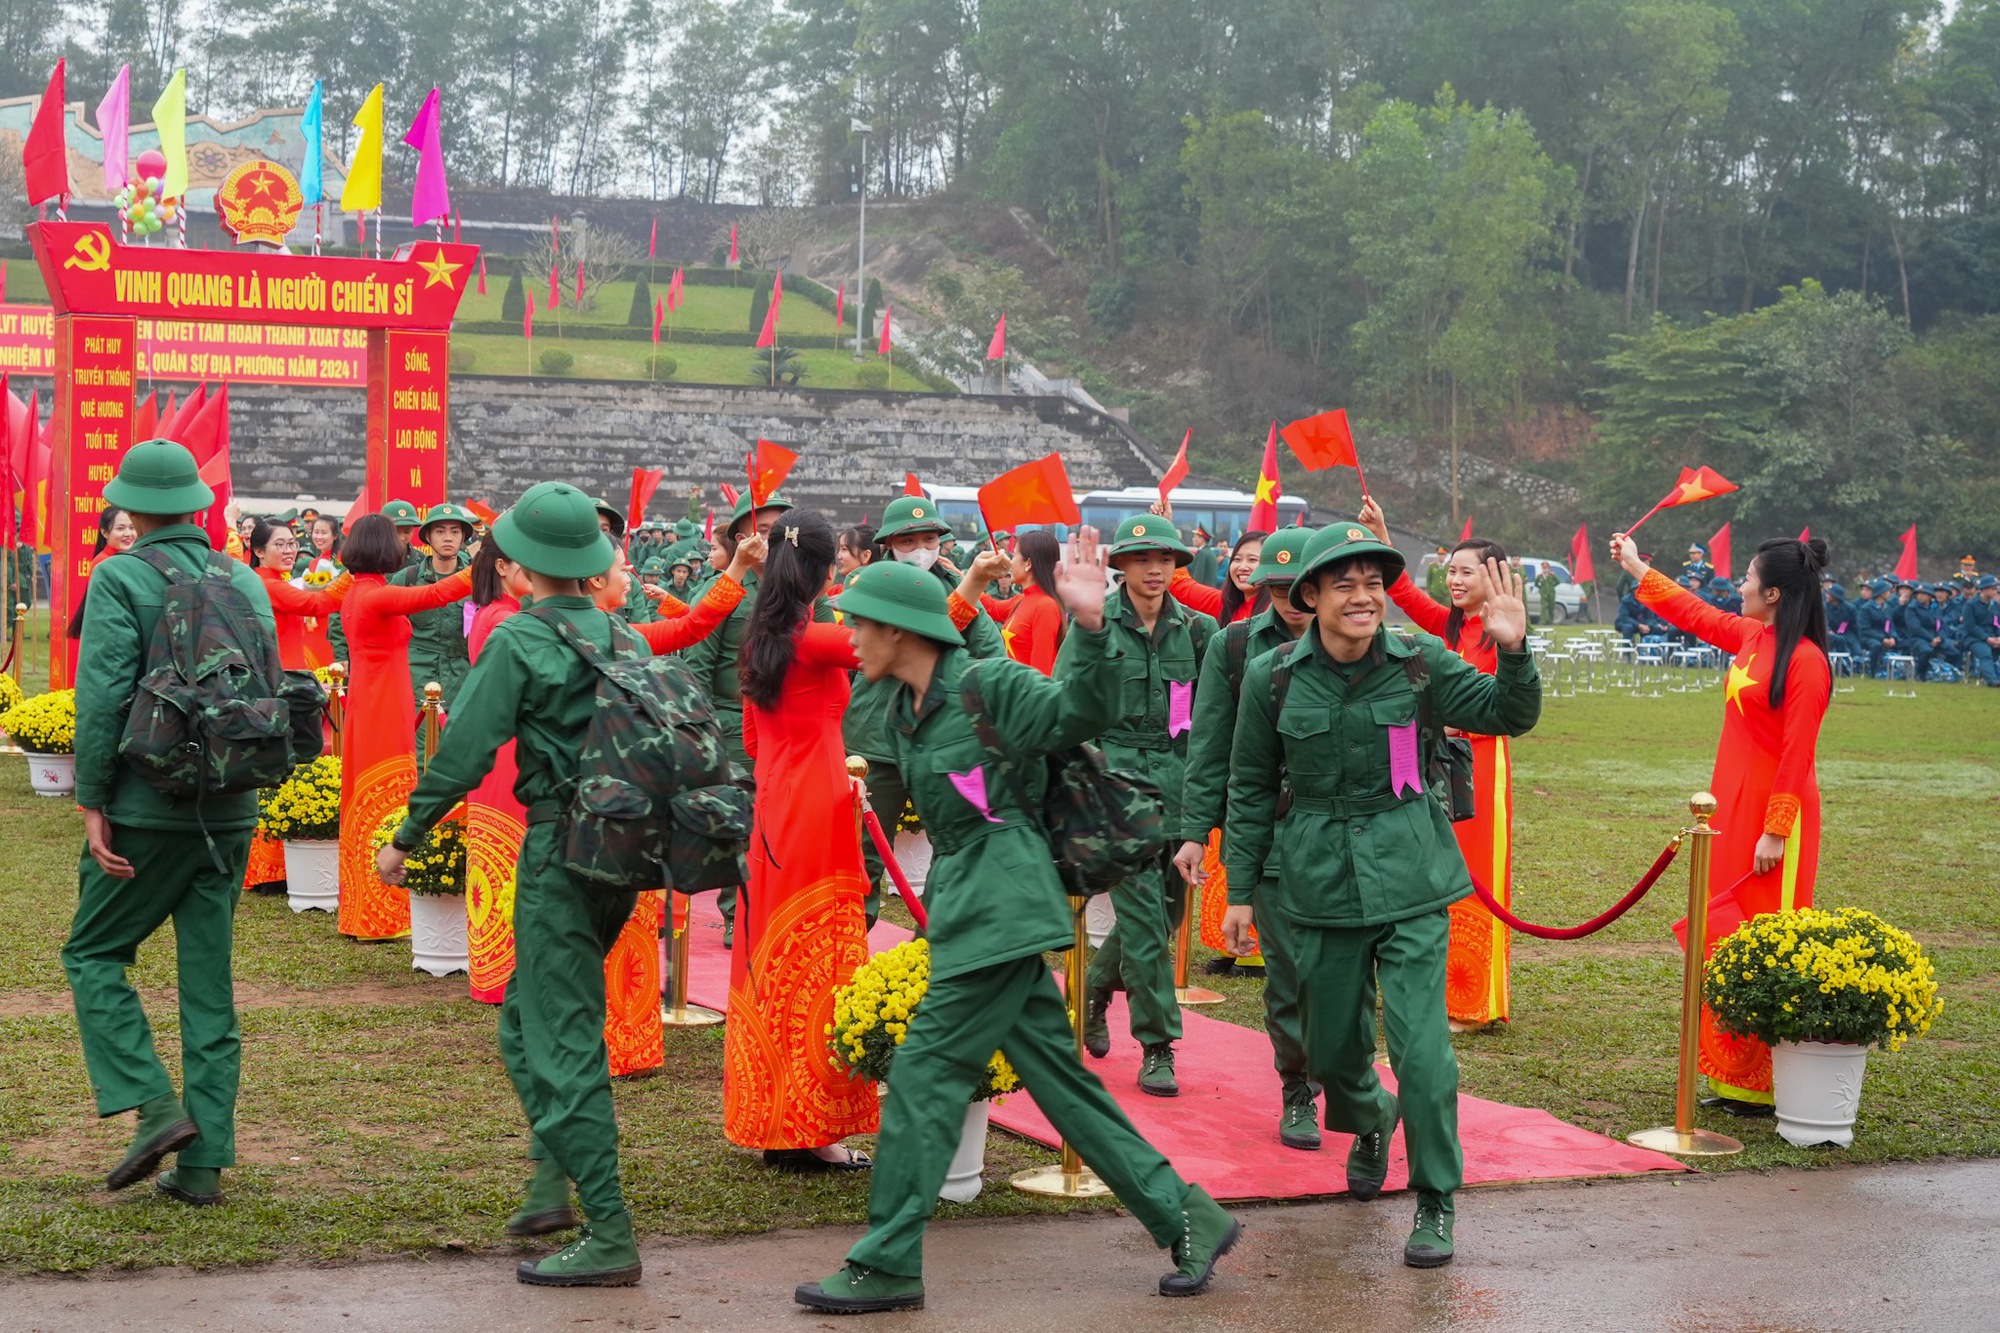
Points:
[(1236, 654), (1417, 671), (991, 741)]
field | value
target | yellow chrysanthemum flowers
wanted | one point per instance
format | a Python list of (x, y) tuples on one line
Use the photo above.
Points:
[(437, 867), (1817, 975), (872, 1014), (44, 724), (305, 806)]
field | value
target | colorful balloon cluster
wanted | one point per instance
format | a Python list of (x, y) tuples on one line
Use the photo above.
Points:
[(142, 204)]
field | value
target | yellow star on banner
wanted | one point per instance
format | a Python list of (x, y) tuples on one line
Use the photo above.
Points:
[(1692, 491), (440, 270), (1007, 638), (1267, 489), (1739, 681)]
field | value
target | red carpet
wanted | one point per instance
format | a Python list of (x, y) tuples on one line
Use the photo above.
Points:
[(1222, 1131)]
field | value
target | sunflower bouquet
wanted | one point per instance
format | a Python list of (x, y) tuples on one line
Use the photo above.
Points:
[(43, 724), (871, 1016), (1843, 976), (305, 807), (437, 867)]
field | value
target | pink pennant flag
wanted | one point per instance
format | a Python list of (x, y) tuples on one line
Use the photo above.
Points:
[(1404, 769), (972, 786), (840, 307), (579, 284), (114, 120), (997, 348), (1180, 707), (674, 292), (883, 350), (482, 275), (431, 199), (769, 336), (653, 245)]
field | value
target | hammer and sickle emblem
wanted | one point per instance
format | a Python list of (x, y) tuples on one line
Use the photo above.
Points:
[(93, 253)]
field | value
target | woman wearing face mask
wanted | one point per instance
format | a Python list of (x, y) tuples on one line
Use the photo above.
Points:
[(1766, 852), (1476, 967)]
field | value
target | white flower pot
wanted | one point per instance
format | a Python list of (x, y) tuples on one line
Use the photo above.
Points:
[(312, 875), (52, 774), (1817, 1086), (913, 853), (962, 1182), (437, 934)]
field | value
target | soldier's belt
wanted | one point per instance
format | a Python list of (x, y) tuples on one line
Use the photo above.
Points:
[(1352, 807), (946, 846)]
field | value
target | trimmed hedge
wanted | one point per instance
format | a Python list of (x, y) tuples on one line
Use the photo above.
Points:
[(626, 333)]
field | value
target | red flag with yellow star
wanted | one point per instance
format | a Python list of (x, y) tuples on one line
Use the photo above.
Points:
[(1037, 492), (1264, 511), (770, 464), (1695, 485)]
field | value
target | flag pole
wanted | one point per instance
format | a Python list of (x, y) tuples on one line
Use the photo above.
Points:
[(1648, 514)]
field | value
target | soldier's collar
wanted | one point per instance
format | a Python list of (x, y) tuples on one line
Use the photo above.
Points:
[(1385, 646), (944, 679), (172, 532)]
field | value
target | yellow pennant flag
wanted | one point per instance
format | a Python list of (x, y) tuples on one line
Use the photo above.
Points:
[(170, 120), (362, 192)]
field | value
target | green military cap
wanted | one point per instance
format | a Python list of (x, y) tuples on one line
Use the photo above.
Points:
[(158, 477), (445, 512), (686, 528), (742, 509), (910, 516), (1331, 545), (1150, 532), (603, 507), (893, 593), (285, 519), (552, 530), (653, 568), (1282, 557), (402, 513)]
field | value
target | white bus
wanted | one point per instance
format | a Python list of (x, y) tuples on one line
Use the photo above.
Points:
[(1223, 514)]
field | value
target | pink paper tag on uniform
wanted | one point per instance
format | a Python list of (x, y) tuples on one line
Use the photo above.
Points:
[(1180, 707), (972, 786), (471, 613), (1404, 768)]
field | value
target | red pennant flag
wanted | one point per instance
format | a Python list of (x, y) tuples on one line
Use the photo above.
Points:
[(1177, 470), (708, 528), (770, 464), (1299, 520), (145, 419), (1037, 492), (674, 292), (482, 275), (732, 242), (579, 285), (997, 349), (659, 317), (45, 156), (211, 450), (555, 286), (1805, 533), (839, 300), (1906, 563), (1465, 534), (1720, 554), (883, 350), (1324, 441), (484, 513), (769, 336), (1264, 510), (729, 494), (653, 241), (911, 486), (1694, 486), (1580, 568), (645, 481), (528, 317), (40, 465)]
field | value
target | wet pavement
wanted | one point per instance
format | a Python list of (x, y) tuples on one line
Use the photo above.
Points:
[(1874, 1248)]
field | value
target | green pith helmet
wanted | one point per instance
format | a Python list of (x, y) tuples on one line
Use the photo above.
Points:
[(1282, 557), (402, 513), (901, 595), (158, 477), (911, 516), (283, 520), (742, 509), (603, 507), (1330, 545), (1150, 532), (445, 512), (552, 530)]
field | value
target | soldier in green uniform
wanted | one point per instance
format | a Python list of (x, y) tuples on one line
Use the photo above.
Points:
[(530, 687), (1546, 584), (717, 660), (437, 638), (996, 903), (1222, 666), (148, 858), (1329, 771), (1206, 568), (1160, 643)]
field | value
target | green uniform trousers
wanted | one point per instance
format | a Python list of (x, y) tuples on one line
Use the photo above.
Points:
[(1016, 1008), (1138, 955), (1281, 987), (1338, 971), (177, 880), (552, 1019)]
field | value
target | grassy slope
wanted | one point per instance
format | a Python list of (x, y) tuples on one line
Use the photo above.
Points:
[(375, 1117)]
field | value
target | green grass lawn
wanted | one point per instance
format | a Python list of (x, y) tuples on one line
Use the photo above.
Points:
[(508, 354), (375, 1118), (702, 307)]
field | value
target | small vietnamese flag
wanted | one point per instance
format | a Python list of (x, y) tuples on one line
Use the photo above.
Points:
[(1906, 563), (659, 317), (1264, 509), (997, 349), (1037, 492), (1720, 553), (911, 486), (769, 336), (1693, 486), (645, 481), (482, 275), (653, 242), (770, 464), (485, 513), (1177, 470), (1324, 441), (887, 311)]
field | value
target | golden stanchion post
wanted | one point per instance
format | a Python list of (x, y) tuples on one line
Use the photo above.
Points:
[(336, 707), (433, 706), (1681, 1137), (1185, 994), (677, 1012), (24, 639), (1070, 1179)]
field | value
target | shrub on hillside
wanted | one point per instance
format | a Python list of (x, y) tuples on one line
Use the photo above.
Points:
[(555, 361), (871, 375), (641, 314), (1112, 302), (463, 359)]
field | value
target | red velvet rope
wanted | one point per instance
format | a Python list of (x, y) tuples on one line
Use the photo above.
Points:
[(1596, 923)]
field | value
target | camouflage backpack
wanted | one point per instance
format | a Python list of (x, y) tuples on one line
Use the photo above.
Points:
[(654, 804), (1102, 826), (215, 713)]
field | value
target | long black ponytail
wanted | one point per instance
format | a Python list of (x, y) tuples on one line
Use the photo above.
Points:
[(1792, 567), (796, 566)]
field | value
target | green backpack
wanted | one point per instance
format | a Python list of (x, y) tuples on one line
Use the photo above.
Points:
[(655, 803), (215, 712), (1102, 826)]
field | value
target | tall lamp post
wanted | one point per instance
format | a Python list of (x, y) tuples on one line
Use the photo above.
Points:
[(861, 127)]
